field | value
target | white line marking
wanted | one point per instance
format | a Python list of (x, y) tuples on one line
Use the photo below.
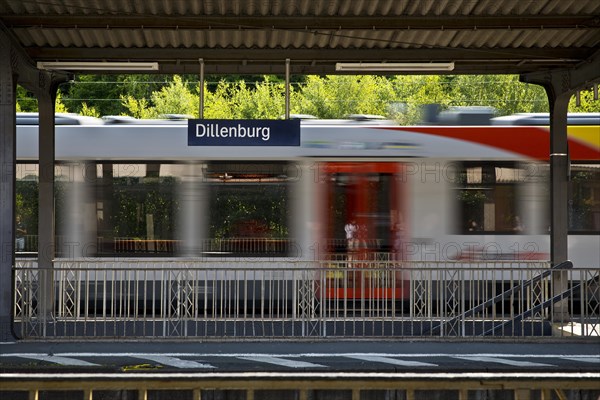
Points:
[(504, 361), (595, 360), (308, 355), (282, 361), (57, 359), (495, 356), (175, 362), (393, 361)]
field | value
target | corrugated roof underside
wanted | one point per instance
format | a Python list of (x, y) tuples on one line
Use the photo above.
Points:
[(303, 7), (215, 38), (554, 32)]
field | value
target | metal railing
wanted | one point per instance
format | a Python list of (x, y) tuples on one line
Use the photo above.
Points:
[(285, 299)]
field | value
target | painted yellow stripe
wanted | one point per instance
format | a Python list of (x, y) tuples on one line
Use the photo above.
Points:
[(589, 135)]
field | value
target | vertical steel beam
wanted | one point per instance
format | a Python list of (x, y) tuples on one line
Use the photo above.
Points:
[(46, 231), (8, 145), (559, 200), (287, 88), (201, 100), (559, 176)]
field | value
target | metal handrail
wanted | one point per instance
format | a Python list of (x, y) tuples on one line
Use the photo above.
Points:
[(511, 291)]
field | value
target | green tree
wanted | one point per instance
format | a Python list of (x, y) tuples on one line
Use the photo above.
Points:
[(588, 104), (265, 100), (217, 104), (341, 95), (398, 97), (26, 101), (89, 111), (238, 100), (412, 92), (103, 93), (503, 92), (175, 98), (59, 106), (99, 92), (137, 108)]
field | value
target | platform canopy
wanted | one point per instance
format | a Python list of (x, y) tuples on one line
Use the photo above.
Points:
[(257, 36)]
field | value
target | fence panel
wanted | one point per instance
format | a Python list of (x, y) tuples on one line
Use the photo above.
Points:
[(373, 297)]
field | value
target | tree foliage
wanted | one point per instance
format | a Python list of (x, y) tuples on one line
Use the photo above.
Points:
[(339, 96), (588, 104), (398, 97), (414, 91), (89, 111), (175, 98), (503, 92), (27, 102)]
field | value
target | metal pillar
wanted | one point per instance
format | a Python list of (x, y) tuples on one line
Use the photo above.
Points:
[(8, 85), (559, 176), (46, 94), (201, 100), (16, 67), (287, 88)]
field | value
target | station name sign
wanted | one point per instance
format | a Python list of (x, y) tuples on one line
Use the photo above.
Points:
[(243, 132)]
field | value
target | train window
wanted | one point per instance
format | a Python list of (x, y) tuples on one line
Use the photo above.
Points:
[(584, 204), (487, 194), (26, 212), (249, 208), (101, 209), (136, 206)]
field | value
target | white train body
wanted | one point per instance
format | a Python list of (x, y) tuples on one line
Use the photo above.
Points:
[(431, 178)]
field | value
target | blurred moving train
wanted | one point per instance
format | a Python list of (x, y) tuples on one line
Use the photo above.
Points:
[(466, 187)]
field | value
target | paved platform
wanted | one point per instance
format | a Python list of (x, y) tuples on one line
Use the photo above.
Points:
[(322, 357)]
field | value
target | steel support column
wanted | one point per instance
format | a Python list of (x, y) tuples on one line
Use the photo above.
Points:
[(559, 175), (16, 67), (287, 88), (8, 85), (46, 247), (201, 91)]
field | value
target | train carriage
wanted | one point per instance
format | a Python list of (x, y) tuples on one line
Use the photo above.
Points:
[(354, 194)]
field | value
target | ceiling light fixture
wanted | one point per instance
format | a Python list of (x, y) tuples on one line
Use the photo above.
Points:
[(98, 66), (390, 67)]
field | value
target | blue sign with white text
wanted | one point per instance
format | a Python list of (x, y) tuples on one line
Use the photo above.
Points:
[(243, 132)]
